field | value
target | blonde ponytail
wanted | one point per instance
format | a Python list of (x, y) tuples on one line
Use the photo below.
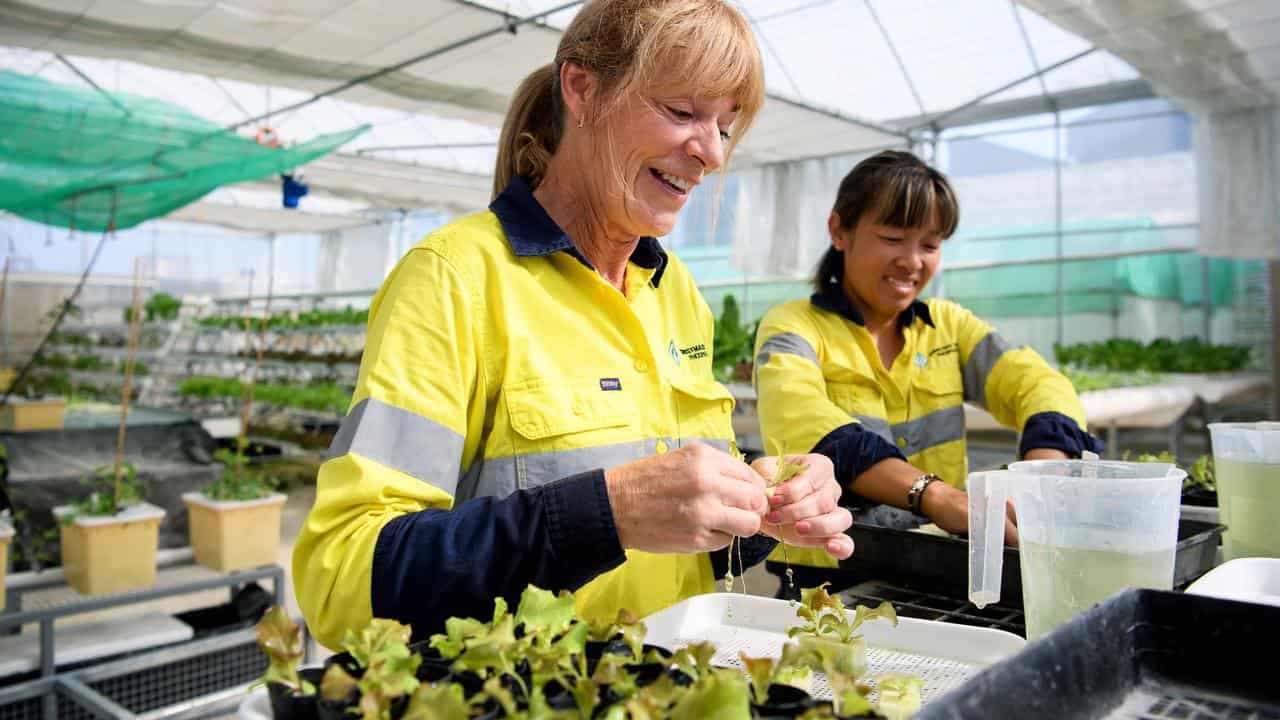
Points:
[(530, 131)]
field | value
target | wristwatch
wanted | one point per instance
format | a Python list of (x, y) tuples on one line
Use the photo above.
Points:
[(916, 492)]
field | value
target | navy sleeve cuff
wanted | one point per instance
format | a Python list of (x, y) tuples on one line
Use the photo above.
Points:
[(431, 565), (853, 449), (753, 550), (580, 523), (1055, 431)]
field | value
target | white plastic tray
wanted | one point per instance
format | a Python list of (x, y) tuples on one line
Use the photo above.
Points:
[(1255, 580), (943, 654)]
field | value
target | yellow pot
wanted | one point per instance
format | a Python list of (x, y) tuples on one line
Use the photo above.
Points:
[(6, 534), (110, 553), (229, 535), (20, 415)]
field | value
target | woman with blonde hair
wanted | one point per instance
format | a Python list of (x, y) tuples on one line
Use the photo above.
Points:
[(535, 403), (870, 376)]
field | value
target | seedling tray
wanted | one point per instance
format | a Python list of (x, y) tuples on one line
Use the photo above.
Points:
[(1142, 654), (941, 564), (943, 655)]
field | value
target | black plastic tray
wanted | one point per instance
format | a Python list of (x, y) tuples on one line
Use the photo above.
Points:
[(941, 564), (1141, 654)]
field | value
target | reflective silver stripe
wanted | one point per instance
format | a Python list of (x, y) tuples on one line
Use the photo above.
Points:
[(983, 358), (879, 426), (499, 477), (936, 428), (788, 344), (401, 440), (721, 445)]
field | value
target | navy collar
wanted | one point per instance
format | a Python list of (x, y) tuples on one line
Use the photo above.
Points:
[(532, 232), (833, 300)]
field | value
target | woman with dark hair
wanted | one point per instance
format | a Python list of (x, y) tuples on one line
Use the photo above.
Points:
[(870, 376), (535, 403)]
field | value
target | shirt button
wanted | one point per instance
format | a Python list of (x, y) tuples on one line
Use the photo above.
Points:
[(641, 366), (902, 442), (661, 447), (579, 408), (726, 405)]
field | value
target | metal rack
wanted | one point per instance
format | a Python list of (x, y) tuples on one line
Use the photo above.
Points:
[(167, 682)]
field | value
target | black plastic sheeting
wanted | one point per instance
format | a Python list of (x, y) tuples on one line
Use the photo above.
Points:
[(47, 469), (1220, 653)]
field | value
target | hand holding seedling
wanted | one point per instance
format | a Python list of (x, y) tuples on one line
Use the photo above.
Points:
[(804, 504), (694, 499)]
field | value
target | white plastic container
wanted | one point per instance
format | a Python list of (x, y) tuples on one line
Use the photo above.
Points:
[(943, 654), (1255, 580)]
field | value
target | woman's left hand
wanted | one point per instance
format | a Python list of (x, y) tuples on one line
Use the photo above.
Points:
[(805, 510)]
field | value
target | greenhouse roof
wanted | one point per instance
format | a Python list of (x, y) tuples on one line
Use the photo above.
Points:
[(432, 77)]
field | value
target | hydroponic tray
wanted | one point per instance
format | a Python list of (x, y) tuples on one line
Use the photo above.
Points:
[(944, 655)]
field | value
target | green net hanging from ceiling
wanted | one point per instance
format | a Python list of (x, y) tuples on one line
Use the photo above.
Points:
[(79, 158)]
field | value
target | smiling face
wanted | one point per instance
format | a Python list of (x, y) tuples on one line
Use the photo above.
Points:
[(657, 148), (886, 267)]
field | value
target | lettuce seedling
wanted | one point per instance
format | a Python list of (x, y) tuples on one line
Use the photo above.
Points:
[(899, 696), (720, 694), (544, 614), (437, 702), (695, 660), (281, 639), (492, 653), (337, 684), (381, 648), (761, 672), (458, 630)]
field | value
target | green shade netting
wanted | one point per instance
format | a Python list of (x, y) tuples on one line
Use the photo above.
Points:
[(75, 157)]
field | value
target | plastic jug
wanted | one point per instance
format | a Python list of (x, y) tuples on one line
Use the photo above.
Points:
[(1246, 466), (1086, 529)]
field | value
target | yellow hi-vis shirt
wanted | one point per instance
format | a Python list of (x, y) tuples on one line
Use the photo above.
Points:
[(818, 371), (499, 361)]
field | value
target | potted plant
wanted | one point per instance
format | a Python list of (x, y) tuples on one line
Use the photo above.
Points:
[(292, 691), (109, 539), (235, 522)]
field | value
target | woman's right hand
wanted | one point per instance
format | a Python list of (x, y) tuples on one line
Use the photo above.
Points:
[(693, 499), (948, 508)]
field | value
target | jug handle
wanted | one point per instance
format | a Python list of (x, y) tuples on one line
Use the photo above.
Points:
[(988, 492)]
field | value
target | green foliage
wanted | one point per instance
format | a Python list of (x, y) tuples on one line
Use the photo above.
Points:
[(437, 702), (761, 671), (318, 396), (1160, 355), (34, 545), (1200, 474), (734, 344), (1089, 380), (382, 649), (292, 320), (237, 481), (281, 639), (544, 641), (899, 696), (102, 499), (160, 306)]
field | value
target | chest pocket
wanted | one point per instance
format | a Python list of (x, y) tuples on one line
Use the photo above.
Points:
[(558, 414), (857, 398), (704, 409), (936, 388)]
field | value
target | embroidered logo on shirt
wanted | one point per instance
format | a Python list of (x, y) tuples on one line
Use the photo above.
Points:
[(694, 352), (675, 354), (610, 384), (921, 360)]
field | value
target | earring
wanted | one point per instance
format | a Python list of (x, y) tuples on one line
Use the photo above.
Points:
[(579, 121)]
